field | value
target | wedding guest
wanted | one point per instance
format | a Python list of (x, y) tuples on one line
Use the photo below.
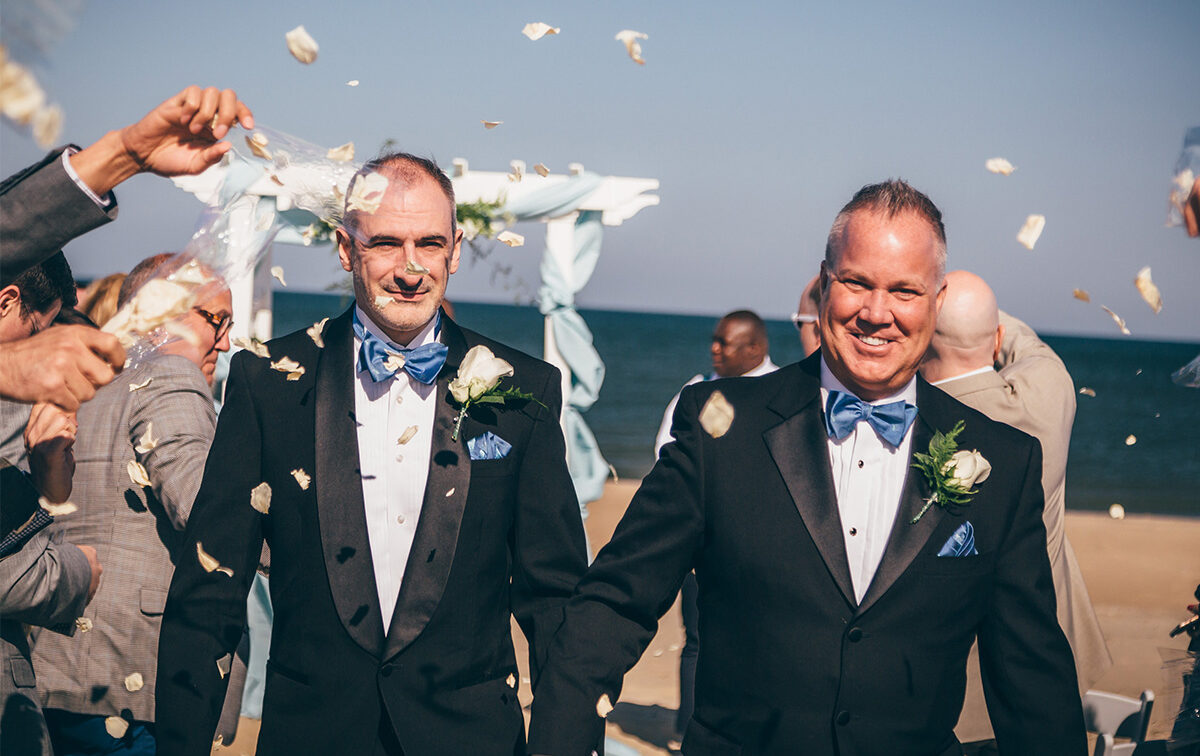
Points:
[(838, 598), (805, 316), (996, 364)]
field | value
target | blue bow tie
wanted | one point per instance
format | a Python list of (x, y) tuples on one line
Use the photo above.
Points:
[(890, 421), (423, 363)]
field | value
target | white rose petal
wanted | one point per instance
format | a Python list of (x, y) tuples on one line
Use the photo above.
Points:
[(1082, 295), (253, 345), (604, 706), (342, 154), (57, 510), (302, 478), (999, 165), (1120, 321), (407, 435), (394, 362), (287, 365), (1029, 233), (517, 174), (382, 301), (352, 83), (301, 45), (1130, 440), (223, 665), (260, 497), (257, 142), (510, 238), (84, 624), (277, 273), (716, 416), (450, 493), (966, 468), (1117, 512), (137, 473), (415, 268), (147, 441), (1087, 391), (314, 332), (629, 38), (512, 680), (367, 193), (541, 170), (491, 124), (21, 97), (134, 682), (478, 374), (1148, 290), (209, 562), (536, 30), (138, 386), (116, 727)]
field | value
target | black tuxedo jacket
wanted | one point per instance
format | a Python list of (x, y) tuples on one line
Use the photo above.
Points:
[(789, 662), (495, 538)]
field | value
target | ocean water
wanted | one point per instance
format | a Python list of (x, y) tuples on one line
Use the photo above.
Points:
[(649, 356)]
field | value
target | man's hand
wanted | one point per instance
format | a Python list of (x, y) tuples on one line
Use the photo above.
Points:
[(1191, 210), (179, 137), (49, 437), (63, 365), (94, 562)]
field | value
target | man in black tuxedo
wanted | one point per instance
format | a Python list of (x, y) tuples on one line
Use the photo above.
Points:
[(835, 616), (401, 545)]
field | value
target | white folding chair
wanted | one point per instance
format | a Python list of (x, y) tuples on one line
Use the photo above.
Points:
[(1112, 716)]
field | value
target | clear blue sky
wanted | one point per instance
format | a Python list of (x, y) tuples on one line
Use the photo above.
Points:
[(759, 119)]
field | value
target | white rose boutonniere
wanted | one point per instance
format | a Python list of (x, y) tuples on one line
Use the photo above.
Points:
[(951, 473), (477, 382)]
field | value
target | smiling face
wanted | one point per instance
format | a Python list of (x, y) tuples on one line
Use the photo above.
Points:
[(414, 224), (879, 301)]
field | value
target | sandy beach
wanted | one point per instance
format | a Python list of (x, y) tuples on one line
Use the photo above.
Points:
[(1140, 572)]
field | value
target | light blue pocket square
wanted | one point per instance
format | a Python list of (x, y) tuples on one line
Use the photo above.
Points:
[(961, 544), (488, 446)]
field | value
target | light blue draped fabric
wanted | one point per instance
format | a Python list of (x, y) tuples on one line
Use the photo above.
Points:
[(572, 337)]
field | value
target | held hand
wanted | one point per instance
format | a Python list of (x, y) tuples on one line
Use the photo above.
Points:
[(180, 136), (63, 365), (49, 438), (1191, 210), (97, 570)]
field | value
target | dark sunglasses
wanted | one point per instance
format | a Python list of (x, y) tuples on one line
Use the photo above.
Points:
[(220, 323)]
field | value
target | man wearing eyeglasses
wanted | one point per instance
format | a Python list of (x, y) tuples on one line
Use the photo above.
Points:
[(160, 416)]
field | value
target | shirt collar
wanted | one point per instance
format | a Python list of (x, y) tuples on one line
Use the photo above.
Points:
[(829, 382), (968, 374), (426, 335)]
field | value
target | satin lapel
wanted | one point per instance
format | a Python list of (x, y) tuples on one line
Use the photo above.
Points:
[(446, 490), (340, 509), (907, 539), (799, 448)]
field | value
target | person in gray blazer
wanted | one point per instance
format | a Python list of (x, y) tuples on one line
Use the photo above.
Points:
[(996, 364), (140, 457)]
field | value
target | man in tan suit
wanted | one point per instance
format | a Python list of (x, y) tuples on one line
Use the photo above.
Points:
[(1033, 392)]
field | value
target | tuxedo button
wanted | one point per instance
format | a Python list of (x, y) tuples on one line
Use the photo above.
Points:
[(387, 671), (855, 634), (843, 718)]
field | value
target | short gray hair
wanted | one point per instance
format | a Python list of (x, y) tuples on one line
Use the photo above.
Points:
[(891, 198)]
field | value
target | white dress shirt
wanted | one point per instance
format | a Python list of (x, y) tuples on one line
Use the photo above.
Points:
[(393, 474), (868, 477), (664, 436)]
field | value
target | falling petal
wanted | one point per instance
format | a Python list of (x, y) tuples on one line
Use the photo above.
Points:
[(253, 345), (604, 706), (517, 174), (717, 415), (314, 332), (84, 624), (382, 301), (536, 30), (277, 273), (289, 366), (116, 727), (257, 142), (21, 97), (301, 45), (302, 478), (1130, 440), (541, 170), (1117, 319), (1148, 290), (147, 441), (260, 497), (1117, 512), (1082, 295), (1029, 233), (209, 562), (57, 510), (367, 193), (343, 154), (510, 238), (352, 83), (658, 653), (512, 680), (630, 38), (491, 124), (1087, 391), (999, 165), (394, 362), (134, 682), (407, 435), (137, 473), (223, 665), (450, 493), (415, 268), (138, 386), (47, 125)]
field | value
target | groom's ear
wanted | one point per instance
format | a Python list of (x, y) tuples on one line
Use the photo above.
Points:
[(999, 343)]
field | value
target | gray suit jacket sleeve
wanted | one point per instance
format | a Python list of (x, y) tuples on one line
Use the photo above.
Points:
[(41, 209), (45, 583)]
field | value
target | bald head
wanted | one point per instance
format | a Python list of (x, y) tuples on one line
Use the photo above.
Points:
[(968, 330)]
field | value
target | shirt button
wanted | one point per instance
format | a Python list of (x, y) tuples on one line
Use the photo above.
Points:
[(853, 531), (400, 519), (843, 718), (860, 464), (855, 634)]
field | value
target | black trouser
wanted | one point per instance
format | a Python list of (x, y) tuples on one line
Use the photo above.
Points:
[(691, 651)]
